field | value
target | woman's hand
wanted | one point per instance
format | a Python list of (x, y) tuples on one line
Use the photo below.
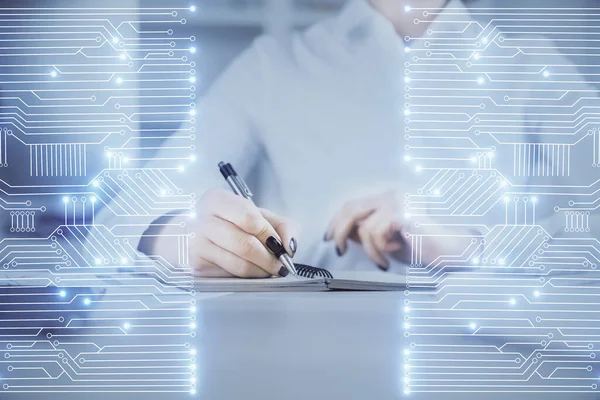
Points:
[(230, 233), (378, 223)]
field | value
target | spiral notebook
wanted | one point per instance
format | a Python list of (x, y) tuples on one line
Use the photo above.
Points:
[(309, 279)]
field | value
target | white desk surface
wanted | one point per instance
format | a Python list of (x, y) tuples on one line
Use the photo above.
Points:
[(288, 346)]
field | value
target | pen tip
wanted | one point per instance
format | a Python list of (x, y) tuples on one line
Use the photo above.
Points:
[(221, 164)]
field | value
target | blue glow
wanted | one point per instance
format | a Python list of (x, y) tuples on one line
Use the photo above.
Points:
[(86, 302), (192, 8), (65, 199), (192, 50), (62, 293), (126, 325), (53, 74)]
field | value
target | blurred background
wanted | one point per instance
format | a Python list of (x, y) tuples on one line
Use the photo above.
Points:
[(226, 27)]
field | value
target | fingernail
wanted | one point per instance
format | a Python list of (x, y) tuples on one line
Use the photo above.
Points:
[(283, 272), (275, 246), (293, 246), (338, 251), (384, 268)]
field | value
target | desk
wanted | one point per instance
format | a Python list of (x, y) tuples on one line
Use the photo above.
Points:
[(288, 346)]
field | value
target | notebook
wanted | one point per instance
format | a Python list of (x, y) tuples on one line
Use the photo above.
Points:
[(310, 279)]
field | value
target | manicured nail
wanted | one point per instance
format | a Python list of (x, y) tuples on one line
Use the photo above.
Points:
[(384, 268), (275, 246), (338, 251), (293, 246), (283, 272)]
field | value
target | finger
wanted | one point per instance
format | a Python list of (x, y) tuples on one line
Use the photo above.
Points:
[(347, 219), (370, 248), (234, 240), (286, 230), (240, 212), (206, 269), (392, 247), (384, 232), (229, 262)]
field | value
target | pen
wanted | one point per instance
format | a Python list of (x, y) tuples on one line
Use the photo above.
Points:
[(240, 188)]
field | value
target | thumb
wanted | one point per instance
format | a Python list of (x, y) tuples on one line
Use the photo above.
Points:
[(285, 229)]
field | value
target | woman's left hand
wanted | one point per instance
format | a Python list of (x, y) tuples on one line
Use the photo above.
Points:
[(378, 223)]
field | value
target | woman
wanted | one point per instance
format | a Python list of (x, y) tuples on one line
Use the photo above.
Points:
[(322, 117)]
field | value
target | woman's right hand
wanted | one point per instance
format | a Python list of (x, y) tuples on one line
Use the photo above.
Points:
[(230, 235)]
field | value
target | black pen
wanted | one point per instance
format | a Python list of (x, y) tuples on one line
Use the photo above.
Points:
[(240, 188)]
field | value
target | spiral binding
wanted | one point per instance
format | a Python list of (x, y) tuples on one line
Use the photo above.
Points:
[(307, 271)]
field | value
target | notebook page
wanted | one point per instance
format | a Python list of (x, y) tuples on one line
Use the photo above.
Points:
[(369, 276)]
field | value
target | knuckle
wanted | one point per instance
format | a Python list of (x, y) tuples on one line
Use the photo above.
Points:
[(283, 224), (245, 247), (262, 228), (250, 218)]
